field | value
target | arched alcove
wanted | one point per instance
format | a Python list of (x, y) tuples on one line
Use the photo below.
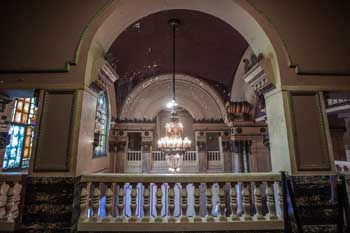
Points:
[(192, 94)]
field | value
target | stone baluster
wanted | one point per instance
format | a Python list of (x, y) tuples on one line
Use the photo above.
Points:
[(133, 217), (209, 194), (184, 217), (16, 200), (270, 201), (171, 196), (159, 194), (280, 195), (84, 203), (246, 202), (9, 203), (258, 202), (146, 204), (121, 217), (234, 205), (222, 204), (96, 196), (3, 199), (197, 202), (109, 202)]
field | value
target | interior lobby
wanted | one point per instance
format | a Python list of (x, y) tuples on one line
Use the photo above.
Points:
[(175, 116)]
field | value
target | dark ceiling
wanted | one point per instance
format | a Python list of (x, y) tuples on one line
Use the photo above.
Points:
[(206, 47)]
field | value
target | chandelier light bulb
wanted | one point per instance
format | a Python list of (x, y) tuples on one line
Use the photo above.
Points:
[(171, 104)]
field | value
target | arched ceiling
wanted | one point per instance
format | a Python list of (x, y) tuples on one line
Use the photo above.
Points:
[(207, 48), (194, 95)]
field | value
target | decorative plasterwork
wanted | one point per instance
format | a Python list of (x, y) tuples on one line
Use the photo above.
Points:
[(248, 131), (256, 77), (210, 127), (134, 126), (192, 94), (238, 110), (108, 73), (105, 76)]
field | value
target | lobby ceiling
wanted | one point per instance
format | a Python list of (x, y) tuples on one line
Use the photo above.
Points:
[(206, 47)]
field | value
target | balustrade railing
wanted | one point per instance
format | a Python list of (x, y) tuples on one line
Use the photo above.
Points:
[(158, 156), (342, 166), (134, 161), (190, 157), (11, 193), (214, 156), (134, 155), (180, 202)]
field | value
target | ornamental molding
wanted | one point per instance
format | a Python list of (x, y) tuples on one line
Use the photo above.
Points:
[(148, 98)]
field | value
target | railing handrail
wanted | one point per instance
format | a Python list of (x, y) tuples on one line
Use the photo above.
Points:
[(12, 176), (175, 178), (134, 151)]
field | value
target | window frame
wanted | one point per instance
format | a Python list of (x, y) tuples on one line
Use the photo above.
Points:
[(104, 153), (26, 126)]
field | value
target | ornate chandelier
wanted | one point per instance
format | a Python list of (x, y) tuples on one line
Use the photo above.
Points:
[(173, 144)]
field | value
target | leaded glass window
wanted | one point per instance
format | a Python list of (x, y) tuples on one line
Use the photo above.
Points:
[(101, 125), (19, 150)]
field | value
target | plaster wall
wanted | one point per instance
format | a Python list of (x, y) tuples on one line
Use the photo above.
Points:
[(85, 160), (314, 34)]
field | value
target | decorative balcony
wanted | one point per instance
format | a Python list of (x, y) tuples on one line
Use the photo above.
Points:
[(180, 202), (11, 197)]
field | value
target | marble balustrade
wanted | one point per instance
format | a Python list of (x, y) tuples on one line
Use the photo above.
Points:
[(111, 202), (11, 195)]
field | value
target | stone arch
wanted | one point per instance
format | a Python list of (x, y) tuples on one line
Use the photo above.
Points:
[(240, 14), (195, 95)]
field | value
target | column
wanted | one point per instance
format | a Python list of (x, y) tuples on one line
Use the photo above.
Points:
[(246, 155), (237, 156), (146, 155), (259, 159), (121, 161), (227, 153), (202, 151)]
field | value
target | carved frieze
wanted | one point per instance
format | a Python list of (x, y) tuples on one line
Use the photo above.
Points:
[(238, 111), (257, 79)]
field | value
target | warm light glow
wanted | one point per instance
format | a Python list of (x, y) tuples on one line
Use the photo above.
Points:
[(174, 161), (171, 104)]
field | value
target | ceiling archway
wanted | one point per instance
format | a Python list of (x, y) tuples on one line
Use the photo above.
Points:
[(192, 94)]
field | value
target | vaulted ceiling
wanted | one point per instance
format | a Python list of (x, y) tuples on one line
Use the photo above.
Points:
[(206, 47)]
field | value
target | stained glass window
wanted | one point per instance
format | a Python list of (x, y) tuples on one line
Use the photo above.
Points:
[(19, 150), (101, 125)]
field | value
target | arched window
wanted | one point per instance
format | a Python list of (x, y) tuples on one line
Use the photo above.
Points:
[(101, 125), (19, 149)]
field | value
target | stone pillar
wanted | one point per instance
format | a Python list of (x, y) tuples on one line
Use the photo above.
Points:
[(260, 158), (238, 165), (246, 155), (121, 162), (227, 152), (202, 151), (147, 140), (299, 135)]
